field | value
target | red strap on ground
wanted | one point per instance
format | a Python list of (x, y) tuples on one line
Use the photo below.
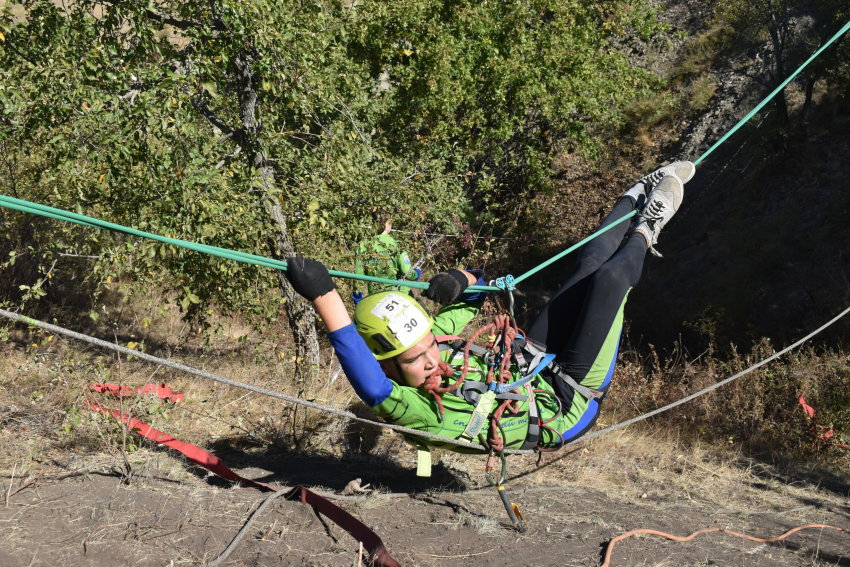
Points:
[(160, 390), (358, 530), (827, 434), (192, 452)]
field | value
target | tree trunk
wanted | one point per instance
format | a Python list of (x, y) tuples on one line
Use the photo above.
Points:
[(810, 89), (817, 71), (778, 32), (299, 312)]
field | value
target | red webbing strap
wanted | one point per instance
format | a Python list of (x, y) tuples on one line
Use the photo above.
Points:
[(447, 338), (358, 530), (192, 452)]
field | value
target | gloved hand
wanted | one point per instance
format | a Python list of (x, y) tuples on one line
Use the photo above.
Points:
[(445, 288), (309, 278), (357, 296), (418, 274)]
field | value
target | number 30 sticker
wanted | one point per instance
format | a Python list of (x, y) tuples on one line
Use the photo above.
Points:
[(408, 326)]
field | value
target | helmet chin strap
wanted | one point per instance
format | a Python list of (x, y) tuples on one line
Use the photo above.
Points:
[(399, 370)]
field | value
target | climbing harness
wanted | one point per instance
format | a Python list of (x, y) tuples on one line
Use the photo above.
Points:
[(506, 348)]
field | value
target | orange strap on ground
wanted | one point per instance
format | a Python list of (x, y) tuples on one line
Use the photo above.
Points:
[(709, 530), (379, 555)]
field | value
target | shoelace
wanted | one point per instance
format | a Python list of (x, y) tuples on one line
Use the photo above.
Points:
[(652, 179), (653, 213)]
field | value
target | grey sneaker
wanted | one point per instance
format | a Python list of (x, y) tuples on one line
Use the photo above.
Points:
[(662, 204), (684, 170)]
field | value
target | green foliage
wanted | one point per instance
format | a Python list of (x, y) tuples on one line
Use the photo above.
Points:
[(433, 112)]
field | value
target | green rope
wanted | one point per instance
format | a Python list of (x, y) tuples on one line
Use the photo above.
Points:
[(776, 91), (579, 244), (743, 121), (58, 214)]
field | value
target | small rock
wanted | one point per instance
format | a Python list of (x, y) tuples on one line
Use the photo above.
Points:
[(354, 487)]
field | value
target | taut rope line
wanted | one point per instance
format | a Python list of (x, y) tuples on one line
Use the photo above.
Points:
[(398, 428)]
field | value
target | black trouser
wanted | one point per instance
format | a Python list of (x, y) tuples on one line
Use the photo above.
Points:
[(576, 321)]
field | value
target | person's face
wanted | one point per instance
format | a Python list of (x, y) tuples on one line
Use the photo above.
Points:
[(417, 363)]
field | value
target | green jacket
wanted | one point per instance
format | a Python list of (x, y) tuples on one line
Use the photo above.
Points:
[(381, 257), (417, 409)]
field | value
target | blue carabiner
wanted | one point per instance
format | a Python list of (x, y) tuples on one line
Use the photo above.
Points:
[(506, 283)]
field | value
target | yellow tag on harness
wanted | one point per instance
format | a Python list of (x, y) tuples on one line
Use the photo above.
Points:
[(423, 460), (479, 416)]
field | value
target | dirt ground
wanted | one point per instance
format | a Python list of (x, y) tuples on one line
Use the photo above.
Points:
[(576, 501)]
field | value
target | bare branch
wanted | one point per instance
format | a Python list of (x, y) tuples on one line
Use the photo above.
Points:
[(78, 256), (11, 46), (208, 113), (175, 22), (165, 19), (228, 158)]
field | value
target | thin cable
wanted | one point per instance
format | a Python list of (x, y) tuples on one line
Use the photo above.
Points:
[(400, 429), (244, 531), (709, 530), (704, 391), (203, 374), (682, 213), (776, 91)]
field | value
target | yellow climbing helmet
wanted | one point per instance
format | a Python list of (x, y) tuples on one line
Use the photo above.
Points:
[(391, 322)]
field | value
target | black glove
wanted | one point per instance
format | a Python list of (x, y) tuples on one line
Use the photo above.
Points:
[(445, 288), (309, 278)]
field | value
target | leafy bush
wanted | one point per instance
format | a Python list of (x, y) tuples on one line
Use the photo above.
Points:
[(701, 52), (650, 112), (262, 125), (760, 410)]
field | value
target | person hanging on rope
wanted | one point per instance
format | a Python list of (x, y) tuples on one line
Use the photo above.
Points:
[(382, 257), (392, 358)]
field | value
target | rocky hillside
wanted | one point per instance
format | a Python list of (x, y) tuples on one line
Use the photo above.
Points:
[(758, 248)]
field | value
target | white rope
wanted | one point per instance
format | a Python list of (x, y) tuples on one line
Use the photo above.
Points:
[(400, 429), (242, 385), (713, 386)]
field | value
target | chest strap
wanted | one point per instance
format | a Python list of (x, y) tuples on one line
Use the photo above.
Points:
[(472, 391), (541, 358)]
